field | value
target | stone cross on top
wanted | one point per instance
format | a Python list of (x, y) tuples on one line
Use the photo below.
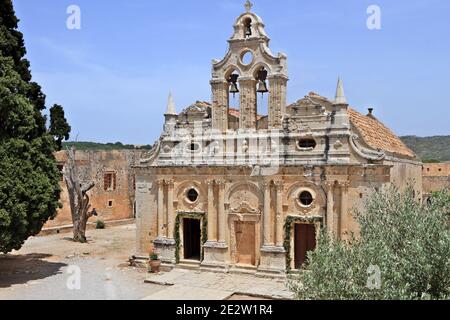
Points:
[(248, 6)]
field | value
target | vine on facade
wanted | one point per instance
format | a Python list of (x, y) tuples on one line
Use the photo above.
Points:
[(189, 215), (289, 222)]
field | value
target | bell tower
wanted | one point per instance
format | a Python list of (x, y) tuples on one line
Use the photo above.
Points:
[(249, 68)]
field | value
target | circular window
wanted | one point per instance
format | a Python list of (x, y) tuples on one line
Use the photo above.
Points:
[(194, 146), (307, 143), (247, 57), (192, 195), (306, 198)]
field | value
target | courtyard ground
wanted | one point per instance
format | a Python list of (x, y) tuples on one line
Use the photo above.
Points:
[(45, 268), (40, 270)]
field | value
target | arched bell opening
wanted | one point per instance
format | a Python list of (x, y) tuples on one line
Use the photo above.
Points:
[(247, 28), (232, 79), (262, 90)]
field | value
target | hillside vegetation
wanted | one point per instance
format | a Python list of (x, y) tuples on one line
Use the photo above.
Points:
[(430, 149), (102, 146)]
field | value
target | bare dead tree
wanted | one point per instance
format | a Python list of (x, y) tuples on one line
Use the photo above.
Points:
[(78, 197)]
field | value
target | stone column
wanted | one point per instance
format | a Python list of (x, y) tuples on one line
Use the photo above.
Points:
[(342, 225), (267, 238), (279, 214), (277, 101), (273, 258), (212, 214), (170, 210), (160, 208), (220, 105), (248, 100), (330, 203), (221, 212)]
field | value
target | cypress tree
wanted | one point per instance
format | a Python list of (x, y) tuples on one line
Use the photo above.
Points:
[(29, 177)]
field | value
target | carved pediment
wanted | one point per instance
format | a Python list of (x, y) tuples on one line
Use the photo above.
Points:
[(198, 107), (297, 124), (245, 207)]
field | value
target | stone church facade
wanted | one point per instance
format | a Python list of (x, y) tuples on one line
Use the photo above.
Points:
[(230, 190)]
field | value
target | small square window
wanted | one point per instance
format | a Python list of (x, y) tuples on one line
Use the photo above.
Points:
[(110, 203)]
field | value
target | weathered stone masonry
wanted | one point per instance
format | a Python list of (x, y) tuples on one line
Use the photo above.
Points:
[(113, 194), (313, 163)]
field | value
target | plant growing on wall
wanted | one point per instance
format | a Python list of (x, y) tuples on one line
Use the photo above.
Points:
[(288, 224)]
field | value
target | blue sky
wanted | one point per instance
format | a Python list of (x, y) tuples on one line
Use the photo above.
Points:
[(113, 76)]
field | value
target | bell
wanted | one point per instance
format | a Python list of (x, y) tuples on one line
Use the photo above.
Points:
[(262, 87), (233, 88), (248, 31), (233, 83), (262, 76)]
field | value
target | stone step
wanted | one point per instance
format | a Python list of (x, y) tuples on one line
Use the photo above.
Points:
[(243, 269), (188, 264)]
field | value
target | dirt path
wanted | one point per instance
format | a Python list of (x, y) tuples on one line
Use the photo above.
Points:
[(45, 266)]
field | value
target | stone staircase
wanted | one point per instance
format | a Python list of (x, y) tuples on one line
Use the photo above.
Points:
[(188, 264)]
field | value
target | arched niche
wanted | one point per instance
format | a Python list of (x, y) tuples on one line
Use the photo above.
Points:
[(244, 192)]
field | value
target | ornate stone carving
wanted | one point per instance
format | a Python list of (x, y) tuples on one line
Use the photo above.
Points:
[(343, 184), (266, 184), (169, 183), (338, 144), (329, 184), (221, 183), (245, 207), (153, 153), (365, 153), (279, 185)]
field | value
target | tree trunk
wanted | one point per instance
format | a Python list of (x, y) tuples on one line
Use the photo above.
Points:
[(78, 198)]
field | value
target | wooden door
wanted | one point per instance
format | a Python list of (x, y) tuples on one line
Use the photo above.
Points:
[(304, 241), (245, 243)]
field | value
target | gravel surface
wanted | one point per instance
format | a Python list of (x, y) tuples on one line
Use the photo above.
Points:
[(46, 268)]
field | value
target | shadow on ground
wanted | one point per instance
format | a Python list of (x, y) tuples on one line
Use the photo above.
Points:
[(19, 269)]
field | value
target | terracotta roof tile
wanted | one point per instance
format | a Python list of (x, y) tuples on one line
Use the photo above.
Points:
[(374, 133), (236, 113), (377, 135)]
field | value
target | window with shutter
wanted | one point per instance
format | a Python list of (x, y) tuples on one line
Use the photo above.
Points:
[(110, 181)]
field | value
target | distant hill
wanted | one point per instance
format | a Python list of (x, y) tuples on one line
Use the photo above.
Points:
[(83, 146), (430, 149)]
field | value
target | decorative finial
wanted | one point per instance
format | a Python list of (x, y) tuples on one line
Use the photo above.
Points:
[(171, 111), (248, 6), (340, 96)]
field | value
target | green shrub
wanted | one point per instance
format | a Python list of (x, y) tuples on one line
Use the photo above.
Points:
[(154, 256), (402, 252), (100, 225)]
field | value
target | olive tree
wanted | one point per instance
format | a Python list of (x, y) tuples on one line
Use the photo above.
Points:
[(401, 252)]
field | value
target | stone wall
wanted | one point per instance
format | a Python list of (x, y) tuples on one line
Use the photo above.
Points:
[(229, 196), (436, 177), (116, 203), (406, 172)]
